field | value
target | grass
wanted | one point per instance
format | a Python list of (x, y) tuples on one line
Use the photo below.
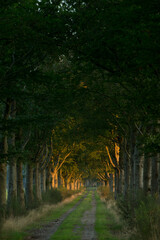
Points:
[(106, 225), (72, 227), (15, 228)]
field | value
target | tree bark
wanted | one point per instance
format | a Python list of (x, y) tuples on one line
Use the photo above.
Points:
[(56, 179), (154, 180), (37, 182), (3, 165), (111, 182), (127, 169), (3, 179), (44, 180), (12, 192), (48, 179), (29, 185), (147, 175), (139, 160), (20, 188), (158, 159)]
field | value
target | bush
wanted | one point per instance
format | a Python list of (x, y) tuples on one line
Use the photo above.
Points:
[(52, 196), (105, 192), (67, 193), (141, 214), (147, 219), (127, 206)]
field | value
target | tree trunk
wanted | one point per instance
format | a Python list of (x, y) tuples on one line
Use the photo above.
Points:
[(127, 169), (44, 180), (59, 179), (12, 192), (158, 159), (37, 182), (121, 181), (147, 175), (139, 160), (68, 183), (72, 185), (56, 179), (20, 188), (48, 179), (111, 182), (155, 169), (29, 185), (3, 179), (3, 166), (132, 161)]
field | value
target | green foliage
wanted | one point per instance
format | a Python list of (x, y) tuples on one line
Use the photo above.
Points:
[(52, 196), (143, 213), (127, 206), (13, 235), (14, 208), (147, 219), (55, 195)]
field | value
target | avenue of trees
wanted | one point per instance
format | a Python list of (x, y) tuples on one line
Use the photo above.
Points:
[(79, 97)]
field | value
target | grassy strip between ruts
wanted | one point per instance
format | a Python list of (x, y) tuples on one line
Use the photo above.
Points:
[(72, 227), (54, 212), (106, 227)]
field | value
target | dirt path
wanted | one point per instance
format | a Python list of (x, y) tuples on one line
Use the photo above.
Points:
[(47, 230), (88, 221)]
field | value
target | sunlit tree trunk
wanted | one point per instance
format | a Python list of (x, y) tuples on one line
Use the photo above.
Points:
[(29, 185), (121, 168), (68, 183), (75, 185), (72, 185), (56, 179), (20, 188)]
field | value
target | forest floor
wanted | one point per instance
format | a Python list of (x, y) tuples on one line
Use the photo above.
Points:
[(85, 218)]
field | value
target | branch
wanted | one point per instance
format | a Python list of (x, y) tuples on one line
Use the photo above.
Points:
[(26, 141), (113, 165)]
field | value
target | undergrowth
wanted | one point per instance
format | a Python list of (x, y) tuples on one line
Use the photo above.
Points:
[(142, 214), (105, 192), (12, 226)]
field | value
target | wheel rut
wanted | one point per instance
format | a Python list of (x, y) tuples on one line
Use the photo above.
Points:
[(47, 230)]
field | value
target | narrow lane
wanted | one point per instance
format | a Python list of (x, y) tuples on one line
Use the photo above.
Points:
[(48, 230), (88, 222)]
